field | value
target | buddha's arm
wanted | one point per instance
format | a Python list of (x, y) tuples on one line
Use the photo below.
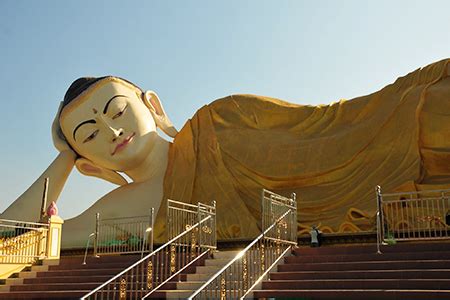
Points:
[(27, 206)]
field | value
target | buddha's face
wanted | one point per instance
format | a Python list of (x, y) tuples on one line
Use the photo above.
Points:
[(110, 125)]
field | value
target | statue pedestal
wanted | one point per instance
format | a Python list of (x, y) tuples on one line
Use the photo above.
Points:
[(54, 238)]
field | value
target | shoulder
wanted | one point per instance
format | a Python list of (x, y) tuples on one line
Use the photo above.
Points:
[(243, 99)]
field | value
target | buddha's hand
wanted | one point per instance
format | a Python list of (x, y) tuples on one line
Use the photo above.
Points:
[(57, 136)]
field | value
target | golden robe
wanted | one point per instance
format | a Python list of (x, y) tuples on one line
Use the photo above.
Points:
[(331, 156)]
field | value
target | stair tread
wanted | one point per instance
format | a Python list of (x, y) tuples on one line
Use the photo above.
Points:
[(357, 290), (361, 271), (50, 292), (358, 279), (374, 262)]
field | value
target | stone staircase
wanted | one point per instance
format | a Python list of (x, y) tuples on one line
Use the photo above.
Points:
[(403, 271), (68, 280), (188, 283), (71, 279)]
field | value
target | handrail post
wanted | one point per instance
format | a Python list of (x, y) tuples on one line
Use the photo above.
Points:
[(148, 232), (87, 247), (44, 200), (152, 225), (294, 219), (263, 219), (97, 224), (380, 224), (199, 236), (214, 232)]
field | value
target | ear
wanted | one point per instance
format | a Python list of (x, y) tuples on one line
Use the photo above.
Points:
[(87, 167), (152, 101)]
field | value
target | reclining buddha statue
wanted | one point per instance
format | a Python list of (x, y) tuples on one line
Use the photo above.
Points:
[(331, 156)]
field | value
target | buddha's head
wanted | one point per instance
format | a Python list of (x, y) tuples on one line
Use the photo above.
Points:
[(111, 124)]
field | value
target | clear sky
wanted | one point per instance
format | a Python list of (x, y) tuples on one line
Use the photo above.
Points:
[(191, 53)]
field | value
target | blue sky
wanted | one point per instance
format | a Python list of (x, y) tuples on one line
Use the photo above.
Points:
[(192, 52)]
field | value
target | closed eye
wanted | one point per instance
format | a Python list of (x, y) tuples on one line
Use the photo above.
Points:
[(91, 137), (120, 113)]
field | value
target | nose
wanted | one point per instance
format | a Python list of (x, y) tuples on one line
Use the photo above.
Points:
[(115, 132)]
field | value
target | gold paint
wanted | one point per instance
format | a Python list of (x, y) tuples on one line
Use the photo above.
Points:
[(123, 289), (278, 238), (207, 229), (193, 242), (172, 259), (374, 135), (23, 247), (263, 258), (244, 273), (223, 290), (150, 274)]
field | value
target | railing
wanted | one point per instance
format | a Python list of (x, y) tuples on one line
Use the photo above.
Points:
[(165, 263), (237, 278), (181, 216), (22, 242), (273, 206), (422, 215), (123, 235)]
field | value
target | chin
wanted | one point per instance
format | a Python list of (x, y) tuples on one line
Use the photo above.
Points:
[(129, 162)]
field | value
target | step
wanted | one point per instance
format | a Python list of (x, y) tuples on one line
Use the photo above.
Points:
[(372, 248), (368, 257), (174, 294), (364, 274), (28, 274), (105, 265), (207, 269), (183, 294), (43, 287), (92, 259), (197, 277), (39, 268), (79, 272), (44, 295), (189, 285), (226, 254), (13, 281), (356, 294), (74, 279), (367, 265), (322, 284), (220, 262)]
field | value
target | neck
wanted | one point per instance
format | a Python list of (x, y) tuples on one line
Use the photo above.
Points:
[(155, 165)]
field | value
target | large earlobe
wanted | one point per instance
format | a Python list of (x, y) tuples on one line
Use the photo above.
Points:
[(89, 168), (163, 122)]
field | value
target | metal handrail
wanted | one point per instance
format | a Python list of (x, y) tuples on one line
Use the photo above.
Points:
[(87, 247), (415, 215), (24, 222), (123, 234), (22, 242), (178, 272), (414, 192), (265, 273), (145, 258), (241, 254)]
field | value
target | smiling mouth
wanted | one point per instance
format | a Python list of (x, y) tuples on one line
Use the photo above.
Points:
[(123, 144)]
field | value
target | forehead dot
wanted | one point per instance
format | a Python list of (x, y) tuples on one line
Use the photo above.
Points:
[(94, 110)]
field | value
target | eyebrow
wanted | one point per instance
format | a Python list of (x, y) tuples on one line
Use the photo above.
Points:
[(81, 124), (109, 101)]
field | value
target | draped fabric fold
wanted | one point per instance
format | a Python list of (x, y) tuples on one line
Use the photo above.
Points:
[(331, 156)]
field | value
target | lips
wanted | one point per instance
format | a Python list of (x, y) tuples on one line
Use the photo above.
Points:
[(123, 144)]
